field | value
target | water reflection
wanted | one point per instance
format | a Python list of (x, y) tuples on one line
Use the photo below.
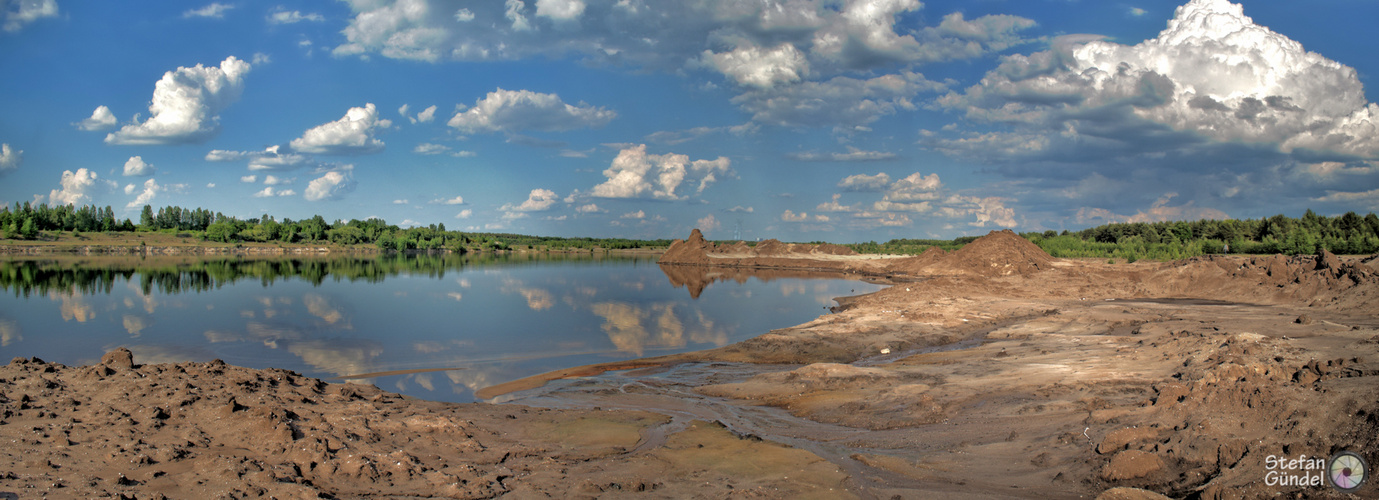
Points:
[(434, 327)]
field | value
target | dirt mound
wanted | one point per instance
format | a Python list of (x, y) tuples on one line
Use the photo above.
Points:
[(694, 250), (771, 248), (831, 249), (1001, 253)]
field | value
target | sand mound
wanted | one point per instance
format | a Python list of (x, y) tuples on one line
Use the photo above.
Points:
[(694, 250), (831, 249), (999, 253)]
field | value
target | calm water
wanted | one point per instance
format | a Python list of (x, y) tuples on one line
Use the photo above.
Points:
[(485, 319)]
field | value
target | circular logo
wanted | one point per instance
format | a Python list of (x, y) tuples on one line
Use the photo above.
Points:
[(1347, 471)]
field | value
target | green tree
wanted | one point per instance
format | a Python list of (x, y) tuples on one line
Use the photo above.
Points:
[(146, 218), (29, 230)]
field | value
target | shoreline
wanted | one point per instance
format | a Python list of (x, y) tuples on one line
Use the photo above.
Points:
[(1072, 378)]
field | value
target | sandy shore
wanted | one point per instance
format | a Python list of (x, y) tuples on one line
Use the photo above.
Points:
[(995, 373)]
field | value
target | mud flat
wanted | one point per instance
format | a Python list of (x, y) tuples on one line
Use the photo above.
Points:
[(1002, 372)]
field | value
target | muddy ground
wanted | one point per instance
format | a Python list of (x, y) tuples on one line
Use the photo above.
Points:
[(987, 373)]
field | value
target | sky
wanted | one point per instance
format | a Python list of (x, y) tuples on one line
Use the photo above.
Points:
[(802, 120)]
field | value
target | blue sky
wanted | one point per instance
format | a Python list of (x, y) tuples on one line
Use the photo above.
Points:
[(839, 120)]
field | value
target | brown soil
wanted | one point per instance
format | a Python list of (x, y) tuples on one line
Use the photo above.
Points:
[(1002, 372)]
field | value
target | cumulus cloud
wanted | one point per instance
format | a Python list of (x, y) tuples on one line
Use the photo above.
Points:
[(752, 66), (518, 110), (426, 115), (18, 13), (864, 182), (329, 186), (214, 11), (1159, 211), (269, 192), (458, 200), (249, 179), (351, 134), (151, 189), (636, 174), (186, 105), (74, 188), (427, 148), (640, 214), (101, 119), (464, 214), (538, 200), (589, 209), (273, 158), (560, 10), (136, 167), (273, 180), (842, 100), (282, 16), (10, 157), (706, 224)]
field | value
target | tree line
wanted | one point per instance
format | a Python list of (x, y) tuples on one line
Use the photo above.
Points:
[(28, 221), (1350, 233)]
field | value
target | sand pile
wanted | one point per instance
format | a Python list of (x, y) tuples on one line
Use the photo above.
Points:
[(696, 251), (693, 250), (999, 253)]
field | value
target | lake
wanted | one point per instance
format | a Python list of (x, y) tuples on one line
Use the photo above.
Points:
[(447, 324)]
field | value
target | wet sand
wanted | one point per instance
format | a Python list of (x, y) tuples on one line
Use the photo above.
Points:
[(1057, 379)]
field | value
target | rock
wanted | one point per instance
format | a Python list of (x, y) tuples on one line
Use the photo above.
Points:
[(1303, 320), (1131, 464), (1119, 439), (118, 358)]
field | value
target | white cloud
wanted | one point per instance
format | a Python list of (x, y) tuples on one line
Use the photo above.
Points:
[(640, 214), (915, 187), (753, 66), (215, 11), (834, 206), (210, 185), (186, 103), (18, 13), (426, 115), (135, 167), (791, 216), (1159, 211), (273, 180), (517, 110), (538, 200), (74, 188), (741, 209), (427, 148), (841, 100), (560, 10), (101, 119), (10, 158), (464, 214), (273, 158), (636, 174), (151, 189), (332, 185), (1137, 12), (268, 192), (400, 202), (853, 154), (281, 16), (249, 179), (458, 200), (464, 15), (707, 224), (514, 13), (864, 182), (129, 189), (589, 209), (351, 134)]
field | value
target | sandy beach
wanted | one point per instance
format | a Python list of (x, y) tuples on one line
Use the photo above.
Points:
[(990, 372)]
